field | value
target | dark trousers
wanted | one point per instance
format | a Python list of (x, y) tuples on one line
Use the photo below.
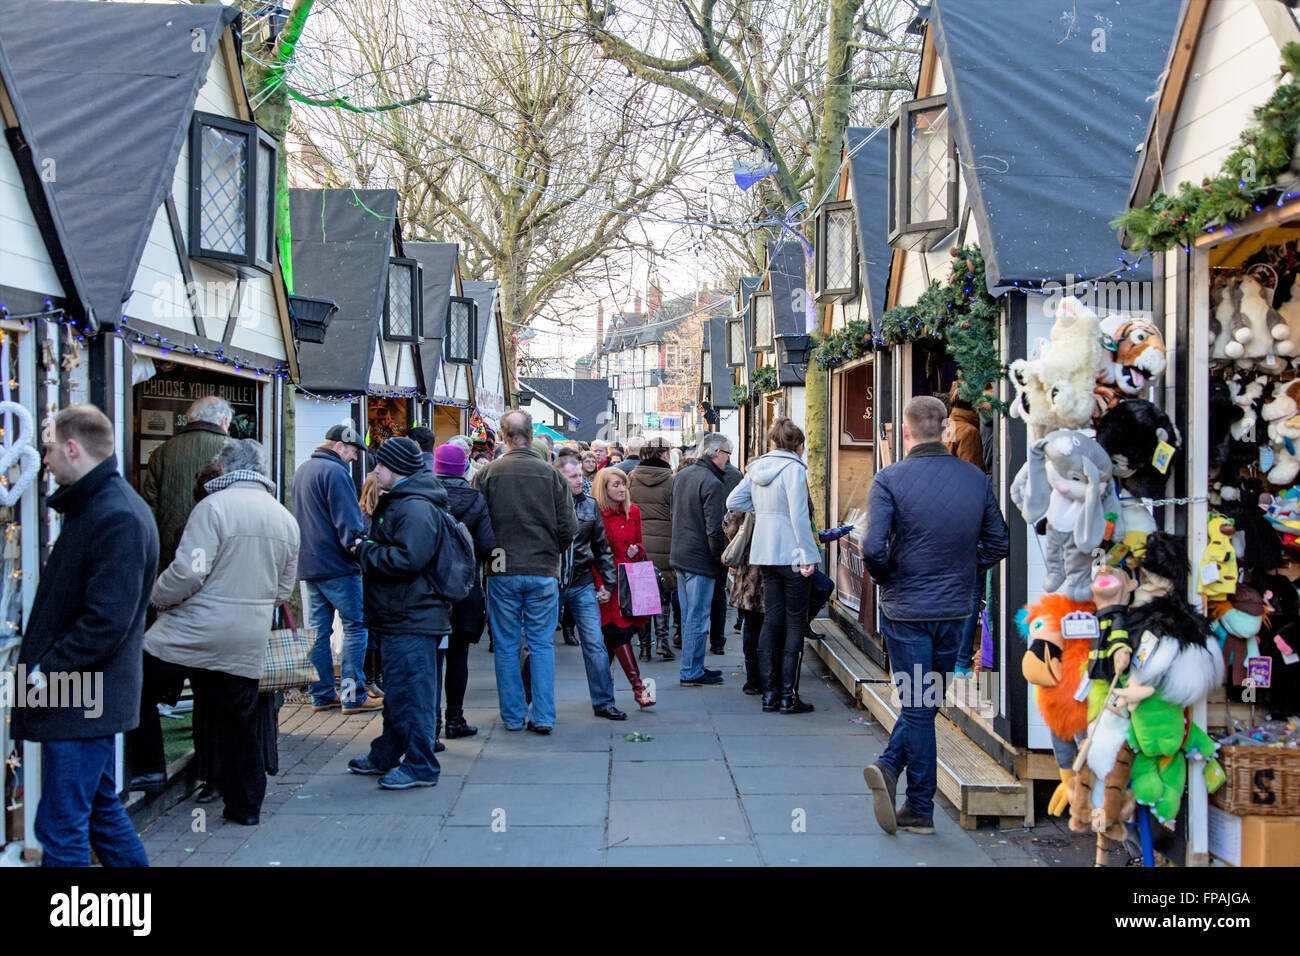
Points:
[(820, 588), (718, 613), (921, 655), (410, 705), (751, 627), (79, 807), (456, 673), (785, 613), (229, 704)]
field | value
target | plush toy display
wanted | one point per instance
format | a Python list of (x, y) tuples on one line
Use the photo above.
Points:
[(1141, 441), (1282, 413), (1280, 642), (1217, 575), (1055, 667), (1133, 360), (1237, 623), (1245, 395), (1175, 666), (1242, 502), (1054, 388), (1254, 325), (1067, 480)]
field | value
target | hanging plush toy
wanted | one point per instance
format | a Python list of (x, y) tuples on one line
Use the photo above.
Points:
[(1217, 575), (1067, 480), (1289, 347), (1176, 665), (1133, 360), (1141, 441), (1255, 542), (1054, 389), (1245, 395), (1237, 623), (1055, 666), (1282, 413), (1255, 325)]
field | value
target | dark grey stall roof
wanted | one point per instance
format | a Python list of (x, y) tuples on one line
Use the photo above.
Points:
[(108, 90), (438, 260), (788, 280), (341, 239), (869, 172), (485, 294), (722, 376), (586, 399), (1046, 128)]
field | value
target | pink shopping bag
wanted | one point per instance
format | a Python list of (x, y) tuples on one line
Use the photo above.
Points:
[(638, 591)]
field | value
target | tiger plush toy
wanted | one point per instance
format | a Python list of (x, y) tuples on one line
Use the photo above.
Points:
[(1134, 360)]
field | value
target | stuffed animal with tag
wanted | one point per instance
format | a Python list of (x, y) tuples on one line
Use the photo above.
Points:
[(1282, 414), (1246, 396), (1141, 441), (1133, 360), (1255, 325), (1054, 389), (1237, 623), (1067, 480), (1176, 665)]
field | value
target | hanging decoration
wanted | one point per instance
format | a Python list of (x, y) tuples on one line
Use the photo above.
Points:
[(749, 173), (15, 449), (1262, 169)]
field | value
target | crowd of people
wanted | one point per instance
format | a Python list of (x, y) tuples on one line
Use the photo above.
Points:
[(517, 538)]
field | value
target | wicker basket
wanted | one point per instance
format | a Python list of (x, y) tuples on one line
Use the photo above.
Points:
[(1261, 780)]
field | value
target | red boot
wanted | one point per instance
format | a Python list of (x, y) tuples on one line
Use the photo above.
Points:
[(628, 659)]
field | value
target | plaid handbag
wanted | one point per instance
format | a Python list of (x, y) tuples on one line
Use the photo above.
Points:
[(287, 663)]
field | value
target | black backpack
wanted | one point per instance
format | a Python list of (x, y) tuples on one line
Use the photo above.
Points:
[(454, 566)]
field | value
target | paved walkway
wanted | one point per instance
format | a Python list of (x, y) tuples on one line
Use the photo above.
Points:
[(719, 783)]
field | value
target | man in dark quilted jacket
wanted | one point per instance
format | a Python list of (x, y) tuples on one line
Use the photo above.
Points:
[(933, 524)]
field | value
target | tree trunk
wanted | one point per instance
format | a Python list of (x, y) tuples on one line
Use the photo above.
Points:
[(835, 116)]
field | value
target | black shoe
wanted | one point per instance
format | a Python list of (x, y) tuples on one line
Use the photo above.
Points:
[(795, 706), (149, 782), (677, 640), (884, 788), (529, 725), (708, 678), (712, 673), (209, 793), (568, 637), (457, 727), (752, 689), (439, 746), (717, 649), (909, 821), (771, 702), (611, 713), (243, 819)]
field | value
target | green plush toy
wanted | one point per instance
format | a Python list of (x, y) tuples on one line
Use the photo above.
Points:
[(1167, 677)]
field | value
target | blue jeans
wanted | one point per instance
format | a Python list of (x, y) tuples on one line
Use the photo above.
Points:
[(79, 808), (523, 608), (695, 591), (324, 597), (582, 604), (921, 656), (410, 705), (966, 646)]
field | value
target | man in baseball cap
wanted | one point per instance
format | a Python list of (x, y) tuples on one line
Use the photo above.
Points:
[(330, 521)]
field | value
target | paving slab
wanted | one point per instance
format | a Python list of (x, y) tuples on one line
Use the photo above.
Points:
[(901, 849), (554, 768), (519, 846), (809, 750), (731, 854), (813, 780), (677, 745), (671, 780), (810, 813), (675, 822), (299, 839), (354, 793), (551, 805)]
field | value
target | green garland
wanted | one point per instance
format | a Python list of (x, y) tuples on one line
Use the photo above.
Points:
[(1246, 180), (845, 345), (962, 314), (764, 379), (739, 395)]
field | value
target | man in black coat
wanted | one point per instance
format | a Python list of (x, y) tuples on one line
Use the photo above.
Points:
[(933, 523), (80, 665), (696, 552), (403, 606), (731, 477)]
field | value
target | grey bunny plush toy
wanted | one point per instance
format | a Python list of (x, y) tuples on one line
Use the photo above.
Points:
[(1067, 480)]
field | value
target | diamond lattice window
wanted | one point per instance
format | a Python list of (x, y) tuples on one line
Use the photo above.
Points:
[(232, 193)]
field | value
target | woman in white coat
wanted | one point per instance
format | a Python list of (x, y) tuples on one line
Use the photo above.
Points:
[(237, 560), (775, 488)]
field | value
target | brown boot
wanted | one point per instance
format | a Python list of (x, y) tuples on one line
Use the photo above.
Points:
[(628, 661), (645, 647)]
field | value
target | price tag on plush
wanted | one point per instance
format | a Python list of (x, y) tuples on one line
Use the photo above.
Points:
[(1259, 672), (1164, 454), (1080, 625)]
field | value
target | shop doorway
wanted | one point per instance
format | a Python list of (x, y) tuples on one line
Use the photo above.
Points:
[(386, 418), (161, 402), (446, 423)]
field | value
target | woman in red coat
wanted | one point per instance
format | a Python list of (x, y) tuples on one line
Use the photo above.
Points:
[(623, 532)]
